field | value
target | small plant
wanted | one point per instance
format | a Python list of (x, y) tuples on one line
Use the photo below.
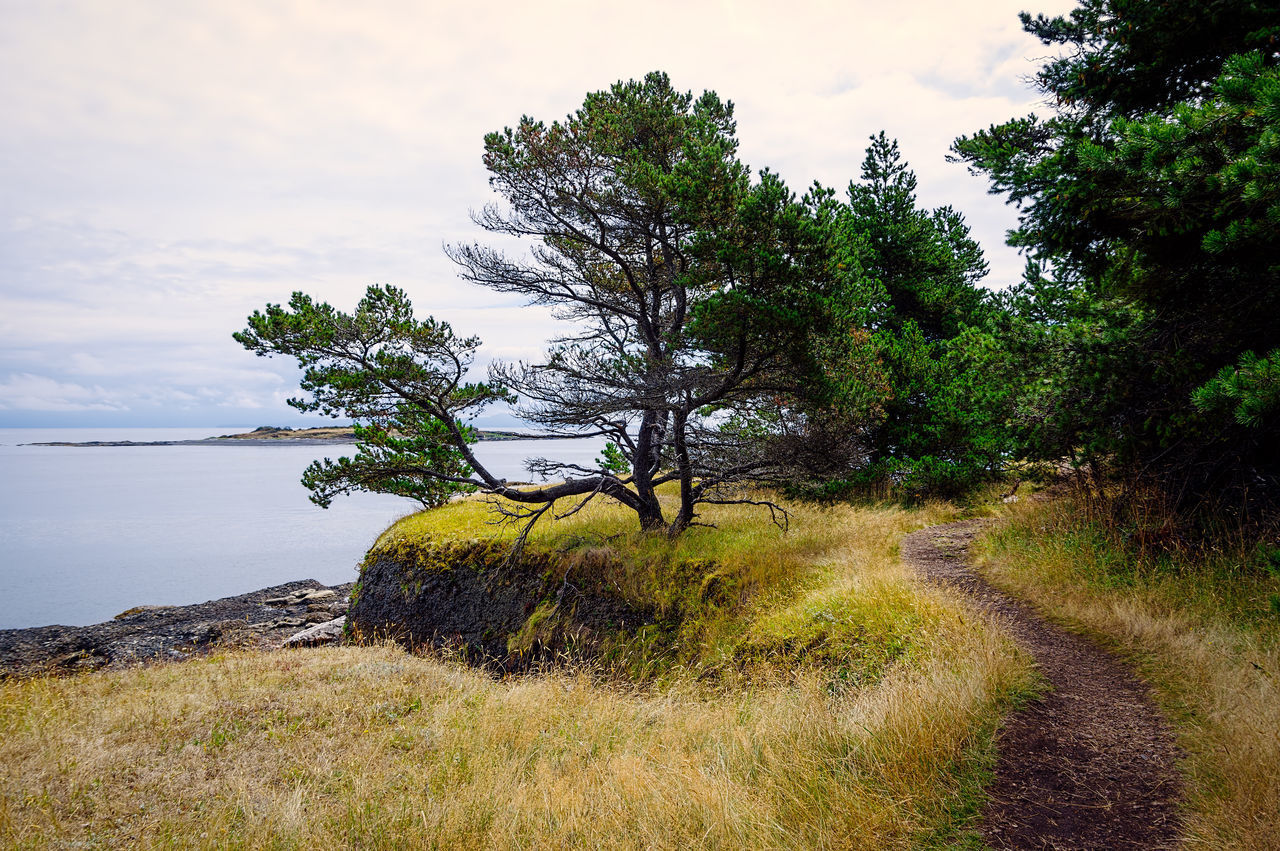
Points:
[(1267, 557), (613, 459)]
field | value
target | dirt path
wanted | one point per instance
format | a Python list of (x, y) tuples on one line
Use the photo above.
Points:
[(1090, 765)]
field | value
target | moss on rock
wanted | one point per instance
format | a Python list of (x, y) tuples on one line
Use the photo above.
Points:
[(468, 596)]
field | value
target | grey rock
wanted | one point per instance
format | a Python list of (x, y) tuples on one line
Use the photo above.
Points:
[(477, 610), (328, 632), (149, 633), (301, 596)]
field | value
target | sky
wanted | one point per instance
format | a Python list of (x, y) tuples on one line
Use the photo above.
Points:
[(169, 166)]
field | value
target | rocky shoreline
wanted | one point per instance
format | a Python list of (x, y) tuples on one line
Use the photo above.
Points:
[(298, 613)]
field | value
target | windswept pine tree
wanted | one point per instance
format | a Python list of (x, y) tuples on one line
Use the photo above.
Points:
[(694, 294)]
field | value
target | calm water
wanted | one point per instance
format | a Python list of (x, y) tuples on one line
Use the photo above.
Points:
[(86, 533)]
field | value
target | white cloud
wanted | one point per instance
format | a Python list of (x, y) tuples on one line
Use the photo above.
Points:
[(27, 392), (171, 165), (83, 363)]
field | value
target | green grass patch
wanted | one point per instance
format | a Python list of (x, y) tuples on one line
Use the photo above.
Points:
[(742, 594)]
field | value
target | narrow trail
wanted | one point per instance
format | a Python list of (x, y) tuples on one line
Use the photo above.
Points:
[(1089, 765)]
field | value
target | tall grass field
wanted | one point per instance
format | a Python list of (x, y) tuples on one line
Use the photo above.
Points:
[(829, 701)]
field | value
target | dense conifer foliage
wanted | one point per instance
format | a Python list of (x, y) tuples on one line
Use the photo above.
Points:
[(942, 427), (1150, 205), (403, 381), (720, 330)]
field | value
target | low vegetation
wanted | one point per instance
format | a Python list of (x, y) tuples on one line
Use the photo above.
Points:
[(830, 701), (1203, 628), (721, 598)]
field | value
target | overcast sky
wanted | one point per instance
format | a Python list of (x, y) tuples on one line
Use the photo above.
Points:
[(170, 166)]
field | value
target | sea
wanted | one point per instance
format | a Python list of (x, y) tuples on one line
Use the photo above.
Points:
[(88, 532)]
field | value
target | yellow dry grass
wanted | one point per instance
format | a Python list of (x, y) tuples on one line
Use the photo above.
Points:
[(1200, 632), (371, 747)]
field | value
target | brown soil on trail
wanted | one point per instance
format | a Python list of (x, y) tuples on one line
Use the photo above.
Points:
[(1088, 765)]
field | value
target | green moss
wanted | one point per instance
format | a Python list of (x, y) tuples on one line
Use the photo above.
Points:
[(854, 634), (539, 629)]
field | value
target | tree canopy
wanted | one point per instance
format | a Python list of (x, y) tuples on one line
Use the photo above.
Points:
[(692, 294), (1150, 198), (938, 432), (721, 330)]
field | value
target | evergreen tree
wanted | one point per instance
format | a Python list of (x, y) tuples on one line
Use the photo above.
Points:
[(1153, 196), (926, 262), (941, 428), (693, 293)]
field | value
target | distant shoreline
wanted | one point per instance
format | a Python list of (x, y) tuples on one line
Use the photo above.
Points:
[(273, 436)]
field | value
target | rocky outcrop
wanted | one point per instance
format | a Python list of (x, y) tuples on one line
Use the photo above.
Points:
[(464, 596), (263, 619)]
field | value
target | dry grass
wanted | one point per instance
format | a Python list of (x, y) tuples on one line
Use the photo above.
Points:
[(1201, 631), (375, 748)]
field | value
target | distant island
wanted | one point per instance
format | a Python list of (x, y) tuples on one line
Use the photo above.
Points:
[(345, 434), (284, 435)]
